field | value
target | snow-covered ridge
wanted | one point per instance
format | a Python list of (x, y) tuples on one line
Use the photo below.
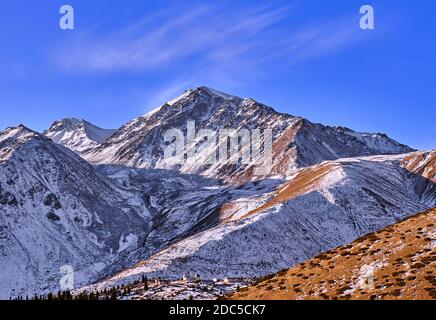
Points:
[(376, 141)]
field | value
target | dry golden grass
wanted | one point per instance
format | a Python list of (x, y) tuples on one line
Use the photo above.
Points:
[(401, 257)]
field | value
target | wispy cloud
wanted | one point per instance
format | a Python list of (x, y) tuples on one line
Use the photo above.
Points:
[(323, 38), (165, 38), (211, 39)]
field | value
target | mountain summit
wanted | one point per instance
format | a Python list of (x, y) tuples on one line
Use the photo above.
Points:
[(77, 134), (296, 142)]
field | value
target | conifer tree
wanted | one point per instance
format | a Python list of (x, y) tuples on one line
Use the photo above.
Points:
[(145, 282)]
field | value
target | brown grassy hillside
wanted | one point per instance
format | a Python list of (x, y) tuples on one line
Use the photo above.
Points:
[(397, 262)]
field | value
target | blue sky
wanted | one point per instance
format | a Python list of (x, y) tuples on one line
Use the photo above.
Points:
[(306, 58)]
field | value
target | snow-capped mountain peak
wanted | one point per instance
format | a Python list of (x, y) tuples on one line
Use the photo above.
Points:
[(202, 90), (13, 137), (77, 134), (296, 141)]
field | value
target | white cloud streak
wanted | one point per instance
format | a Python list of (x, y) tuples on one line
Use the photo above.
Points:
[(213, 40)]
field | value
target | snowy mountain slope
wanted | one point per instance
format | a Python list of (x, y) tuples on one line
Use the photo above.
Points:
[(319, 208), (77, 135), (180, 205), (296, 141), (54, 211), (55, 207)]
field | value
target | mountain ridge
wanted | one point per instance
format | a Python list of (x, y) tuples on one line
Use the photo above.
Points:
[(297, 142)]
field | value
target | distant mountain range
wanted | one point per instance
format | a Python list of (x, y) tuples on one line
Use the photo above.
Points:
[(107, 203), (296, 141)]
